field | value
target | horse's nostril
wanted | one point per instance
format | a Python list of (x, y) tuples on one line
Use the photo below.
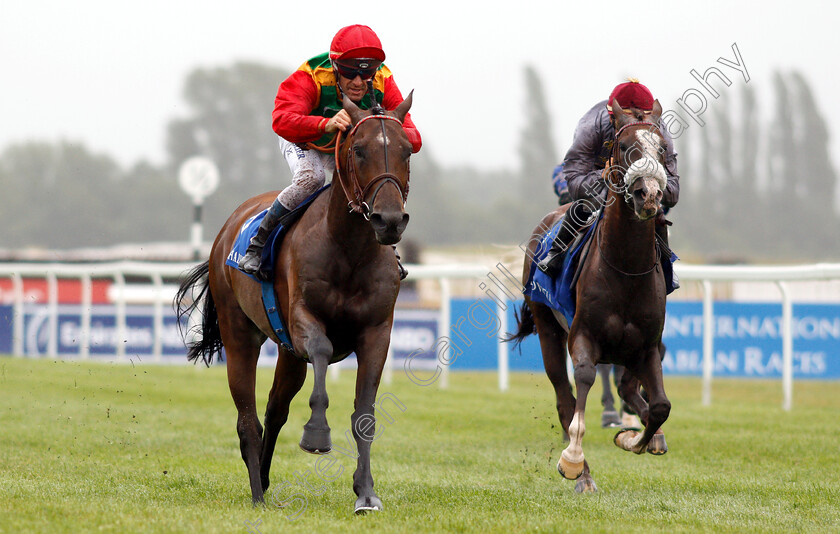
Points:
[(388, 220)]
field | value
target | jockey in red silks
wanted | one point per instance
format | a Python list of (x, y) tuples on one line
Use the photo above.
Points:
[(585, 166), (308, 110)]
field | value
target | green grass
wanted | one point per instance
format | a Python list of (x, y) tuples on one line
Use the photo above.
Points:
[(142, 448)]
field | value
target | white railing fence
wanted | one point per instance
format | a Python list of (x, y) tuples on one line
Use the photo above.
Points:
[(162, 294), (782, 276)]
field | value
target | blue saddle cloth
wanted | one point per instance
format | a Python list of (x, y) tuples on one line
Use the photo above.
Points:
[(557, 293), (269, 259)]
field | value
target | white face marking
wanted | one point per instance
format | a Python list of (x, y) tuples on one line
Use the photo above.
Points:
[(648, 166), (649, 142), (381, 139)]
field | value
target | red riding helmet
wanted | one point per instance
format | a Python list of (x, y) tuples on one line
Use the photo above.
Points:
[(355, 42), (631, 94)]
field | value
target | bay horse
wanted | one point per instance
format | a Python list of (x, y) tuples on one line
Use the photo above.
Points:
[(620, 300), (336, 284)]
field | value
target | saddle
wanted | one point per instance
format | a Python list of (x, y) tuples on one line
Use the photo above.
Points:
[(558, 293)]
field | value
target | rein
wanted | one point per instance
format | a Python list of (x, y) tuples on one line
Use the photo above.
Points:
[(357, 201), (619, 271)]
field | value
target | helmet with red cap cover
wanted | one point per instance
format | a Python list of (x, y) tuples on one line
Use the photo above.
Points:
[(631, 94)]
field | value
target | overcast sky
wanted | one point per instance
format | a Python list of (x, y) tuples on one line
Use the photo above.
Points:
[(109, 73)]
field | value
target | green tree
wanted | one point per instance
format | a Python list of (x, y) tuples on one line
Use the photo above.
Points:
[(537, 150), (230, 122), (817, 175), (58, 195)]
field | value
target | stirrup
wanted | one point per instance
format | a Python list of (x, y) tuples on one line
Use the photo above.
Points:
[(403, 271)]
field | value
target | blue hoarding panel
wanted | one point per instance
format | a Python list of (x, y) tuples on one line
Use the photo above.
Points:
[(748, 337)]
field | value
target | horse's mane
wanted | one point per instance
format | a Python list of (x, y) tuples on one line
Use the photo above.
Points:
[(376, 107)]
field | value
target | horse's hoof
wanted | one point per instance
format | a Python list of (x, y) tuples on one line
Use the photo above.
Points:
[(367, 504), (569, 469), (657, 445), (316, 441), (586, 485), (625, 439), (610, 419)]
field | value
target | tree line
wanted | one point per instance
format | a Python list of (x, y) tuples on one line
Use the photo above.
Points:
[(752, 188)]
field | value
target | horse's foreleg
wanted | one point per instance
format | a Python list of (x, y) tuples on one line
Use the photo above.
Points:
[(571, 464), (628, 390), (553, 347), (289, 376), (316, 432), (609, 417), (654, 413), (371, 353), (607, 401)]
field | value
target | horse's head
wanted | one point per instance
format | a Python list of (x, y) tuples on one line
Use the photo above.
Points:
[(375, 167), (638, 159)]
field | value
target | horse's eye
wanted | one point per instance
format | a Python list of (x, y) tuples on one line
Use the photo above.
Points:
[(358, 152), (622, 147)]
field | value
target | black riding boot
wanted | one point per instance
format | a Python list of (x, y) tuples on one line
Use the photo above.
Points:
[(250, 262), (664, 249), (574, 220), (403, 270)]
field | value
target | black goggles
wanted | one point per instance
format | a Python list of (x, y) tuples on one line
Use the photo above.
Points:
[(365, 70)]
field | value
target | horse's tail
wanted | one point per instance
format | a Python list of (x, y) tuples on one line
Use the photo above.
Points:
[(526, 326), (195, 290)]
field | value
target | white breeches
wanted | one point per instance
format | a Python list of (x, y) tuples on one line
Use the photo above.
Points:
[(310, 169)]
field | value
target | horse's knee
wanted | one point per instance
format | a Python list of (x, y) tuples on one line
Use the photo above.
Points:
[(585, 374)]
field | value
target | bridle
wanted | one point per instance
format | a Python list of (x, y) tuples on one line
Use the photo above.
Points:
[(615, 157), (357, 202)]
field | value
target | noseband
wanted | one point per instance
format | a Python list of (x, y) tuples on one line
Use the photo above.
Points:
[(616, 152), (357, 202)]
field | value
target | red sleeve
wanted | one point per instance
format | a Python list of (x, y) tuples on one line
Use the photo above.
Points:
[(296, 97), (393, 98)]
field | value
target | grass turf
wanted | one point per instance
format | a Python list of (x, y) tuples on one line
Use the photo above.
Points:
[(142, 448)]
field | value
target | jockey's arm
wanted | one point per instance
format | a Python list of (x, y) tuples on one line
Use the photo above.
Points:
[(393, 98), (295, 100), (580, 170), (671, 195)]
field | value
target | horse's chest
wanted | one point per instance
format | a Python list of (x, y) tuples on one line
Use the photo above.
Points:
[(629, 333), (623, 323), (347, 305)]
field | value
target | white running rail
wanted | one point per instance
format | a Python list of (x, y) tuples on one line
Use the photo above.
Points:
[(706, 275)]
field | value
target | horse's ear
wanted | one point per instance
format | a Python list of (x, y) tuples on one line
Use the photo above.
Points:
[(402, 110), (355, 112), (656, 112), (621, 118)]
